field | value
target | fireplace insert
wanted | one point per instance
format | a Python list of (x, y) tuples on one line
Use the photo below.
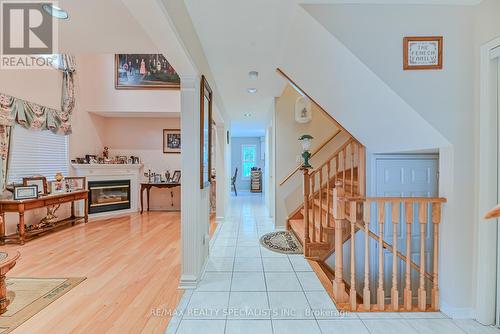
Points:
[(109, 195)]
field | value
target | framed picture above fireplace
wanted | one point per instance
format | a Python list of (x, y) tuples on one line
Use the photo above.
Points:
[(145, 71)]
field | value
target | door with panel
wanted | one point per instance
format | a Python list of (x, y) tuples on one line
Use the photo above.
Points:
[(404, 176)]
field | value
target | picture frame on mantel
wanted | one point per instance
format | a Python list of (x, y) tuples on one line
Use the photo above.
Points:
[(206, 98), (423, 53)]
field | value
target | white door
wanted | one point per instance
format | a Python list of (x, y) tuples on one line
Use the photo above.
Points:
[(404, 176)]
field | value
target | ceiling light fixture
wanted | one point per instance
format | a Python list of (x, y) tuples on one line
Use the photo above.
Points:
[(253, 75), (247, 114), (56, 12), (252, 90)]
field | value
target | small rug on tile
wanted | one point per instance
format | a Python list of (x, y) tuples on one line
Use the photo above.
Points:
[(28, 296), (281, 242)]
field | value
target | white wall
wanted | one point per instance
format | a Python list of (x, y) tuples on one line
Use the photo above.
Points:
[(143, 137)]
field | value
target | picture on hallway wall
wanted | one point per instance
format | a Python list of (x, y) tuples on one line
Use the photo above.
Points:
[(171, 141), (423, 53), (205, 133), (144, 71)]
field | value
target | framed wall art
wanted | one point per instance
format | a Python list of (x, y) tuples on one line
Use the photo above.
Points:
[(145, 71), (205, 132), (423, 53), (171, 141)]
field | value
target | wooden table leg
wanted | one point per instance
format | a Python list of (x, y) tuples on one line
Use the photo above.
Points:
[(4, 302), (147, 196), (142, 199), (86, 210), (21, 225), (2, 228)]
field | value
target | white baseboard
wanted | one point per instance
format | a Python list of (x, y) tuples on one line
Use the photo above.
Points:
[(188, 282), (458, 312)]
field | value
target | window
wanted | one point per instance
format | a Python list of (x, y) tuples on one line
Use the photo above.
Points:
[(248, 158), (36, 152)]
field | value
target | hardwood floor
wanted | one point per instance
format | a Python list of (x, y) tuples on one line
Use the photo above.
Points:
[(132, 265)]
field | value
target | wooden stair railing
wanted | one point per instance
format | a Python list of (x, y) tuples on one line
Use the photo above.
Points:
[(345, 167), (358, 213)]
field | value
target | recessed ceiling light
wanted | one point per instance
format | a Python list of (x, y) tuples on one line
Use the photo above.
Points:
[(247, 114), (253, 75), (56, 11), (252, 90)]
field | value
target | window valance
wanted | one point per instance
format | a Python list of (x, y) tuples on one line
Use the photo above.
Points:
[(34, 116)]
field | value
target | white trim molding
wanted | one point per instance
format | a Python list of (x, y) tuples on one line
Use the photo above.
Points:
[(487, 188)]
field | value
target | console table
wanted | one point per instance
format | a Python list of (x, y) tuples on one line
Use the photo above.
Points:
[(147, 186), (21, 206)]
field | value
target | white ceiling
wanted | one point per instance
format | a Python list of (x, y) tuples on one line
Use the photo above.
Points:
[(239, 36), (97, 26)]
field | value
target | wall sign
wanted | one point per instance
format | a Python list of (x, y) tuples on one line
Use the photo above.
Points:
[(423, 53)]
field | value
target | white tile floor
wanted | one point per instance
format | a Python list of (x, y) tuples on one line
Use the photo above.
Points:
[(249, 289)]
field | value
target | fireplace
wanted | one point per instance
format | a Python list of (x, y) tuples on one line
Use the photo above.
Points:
[(109, 195)]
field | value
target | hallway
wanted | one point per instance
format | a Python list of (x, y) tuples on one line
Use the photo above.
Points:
[(249, 289)]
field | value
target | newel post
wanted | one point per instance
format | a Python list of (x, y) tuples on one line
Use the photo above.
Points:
[(307, 187), (339, 216)]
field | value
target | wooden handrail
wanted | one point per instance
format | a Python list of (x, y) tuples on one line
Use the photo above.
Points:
[(493, 213), (331, 157), (296, 169), (395, 199)]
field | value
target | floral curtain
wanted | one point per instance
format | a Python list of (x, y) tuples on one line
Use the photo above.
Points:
[(34, 116)]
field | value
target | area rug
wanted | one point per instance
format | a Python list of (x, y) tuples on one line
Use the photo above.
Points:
[(29, 296), (281, 242)]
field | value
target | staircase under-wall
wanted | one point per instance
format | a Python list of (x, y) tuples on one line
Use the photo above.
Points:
[(353, 239)]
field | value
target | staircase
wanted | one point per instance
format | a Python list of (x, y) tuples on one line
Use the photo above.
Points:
[(336, 215)]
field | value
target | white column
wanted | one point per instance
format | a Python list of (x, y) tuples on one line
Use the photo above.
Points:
[(194, 201)]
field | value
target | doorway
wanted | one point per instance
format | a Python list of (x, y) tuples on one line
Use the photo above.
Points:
[(414, 175), (247, 157), (488, 267)]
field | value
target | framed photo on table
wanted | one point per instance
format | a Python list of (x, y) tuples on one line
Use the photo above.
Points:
[(423, 53), (75, 183), (176, 178), (39, 181), (25, 192), (57, 187), (171, 141), (205, 132)]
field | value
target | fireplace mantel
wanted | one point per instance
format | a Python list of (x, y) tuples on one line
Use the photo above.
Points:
[(110, 172), (107, 166)]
